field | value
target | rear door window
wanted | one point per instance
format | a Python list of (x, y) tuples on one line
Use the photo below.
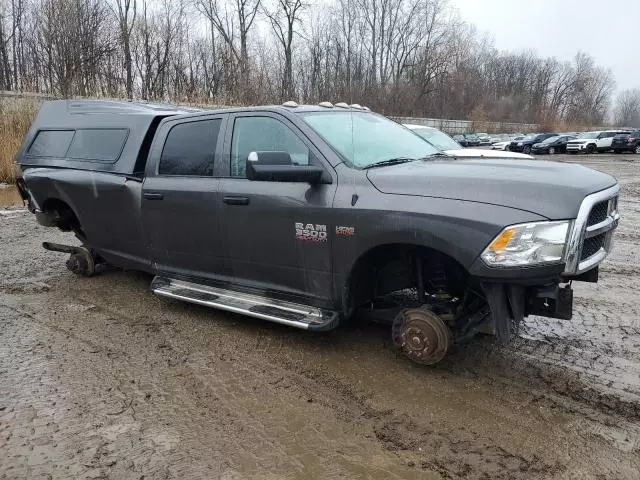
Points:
[(98, 145), (51, 143), (190, 149)]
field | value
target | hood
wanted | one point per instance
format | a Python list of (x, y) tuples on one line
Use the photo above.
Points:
[(582, 140), (479, 152), (553, 190)]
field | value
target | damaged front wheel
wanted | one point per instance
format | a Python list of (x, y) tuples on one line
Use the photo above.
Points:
[(421, 335)]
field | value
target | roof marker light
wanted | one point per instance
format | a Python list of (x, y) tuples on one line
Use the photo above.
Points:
[(342, 105), (290, 103), (326, 104)]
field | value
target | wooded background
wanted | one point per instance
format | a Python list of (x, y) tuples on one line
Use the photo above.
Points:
[(399, 57)]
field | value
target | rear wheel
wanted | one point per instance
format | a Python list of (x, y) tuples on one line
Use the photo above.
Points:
[(82, 262), (637, 149), (526, 149), (552, 150), (421, 335)]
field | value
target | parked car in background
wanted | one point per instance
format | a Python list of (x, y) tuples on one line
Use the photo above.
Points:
[(592, 142), (461, 140), (449, 146), (504, 144), (484, 138), (529, 141), (552, 145), (626, 142), (472, 140)]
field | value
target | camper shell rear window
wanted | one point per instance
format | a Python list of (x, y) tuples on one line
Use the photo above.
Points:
[(102, 145)]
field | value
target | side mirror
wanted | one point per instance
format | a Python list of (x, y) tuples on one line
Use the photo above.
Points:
[(278, 167)]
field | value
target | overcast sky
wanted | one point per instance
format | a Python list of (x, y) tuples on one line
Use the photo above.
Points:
[(607, 30)]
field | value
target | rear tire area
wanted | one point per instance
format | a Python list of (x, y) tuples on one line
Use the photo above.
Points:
[(62, 216)]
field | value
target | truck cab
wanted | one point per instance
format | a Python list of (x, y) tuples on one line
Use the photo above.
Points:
[(310, 215)]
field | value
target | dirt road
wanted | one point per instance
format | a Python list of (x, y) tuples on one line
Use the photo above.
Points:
[(99, 378)]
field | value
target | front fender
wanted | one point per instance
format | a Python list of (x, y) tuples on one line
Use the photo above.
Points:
[(457, 228)]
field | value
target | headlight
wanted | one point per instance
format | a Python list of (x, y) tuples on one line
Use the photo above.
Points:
[(528, 244), (519, 144)]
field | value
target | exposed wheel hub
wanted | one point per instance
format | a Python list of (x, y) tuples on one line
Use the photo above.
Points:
[(81, 262), (421, 335)]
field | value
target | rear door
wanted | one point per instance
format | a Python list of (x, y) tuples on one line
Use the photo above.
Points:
[(180, 204), (276, 233), (604, 139)]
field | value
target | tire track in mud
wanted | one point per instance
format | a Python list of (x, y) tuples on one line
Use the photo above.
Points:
[(210, 385), (100, 379)]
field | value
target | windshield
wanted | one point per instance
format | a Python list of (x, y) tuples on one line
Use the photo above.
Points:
[(588, 135), (551, 139), (363, 138), (437, 138)]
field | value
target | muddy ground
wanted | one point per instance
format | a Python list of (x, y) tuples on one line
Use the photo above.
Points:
[(99, 378)]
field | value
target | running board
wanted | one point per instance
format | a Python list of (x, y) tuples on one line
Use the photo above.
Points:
[(286, 313)]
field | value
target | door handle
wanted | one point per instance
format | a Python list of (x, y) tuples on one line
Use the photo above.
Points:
[(231, 200), (153, 196)]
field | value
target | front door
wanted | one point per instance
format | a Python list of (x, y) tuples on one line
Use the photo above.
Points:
[(277, 233), (180, 204)]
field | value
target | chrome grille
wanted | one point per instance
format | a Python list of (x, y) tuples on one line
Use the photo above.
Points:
[(598, 213), (590, 239), (592, 245)]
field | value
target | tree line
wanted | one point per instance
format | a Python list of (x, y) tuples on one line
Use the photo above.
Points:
[(399, 57)]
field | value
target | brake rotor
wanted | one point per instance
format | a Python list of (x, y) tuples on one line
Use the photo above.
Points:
[(81, 262), (421, 335)]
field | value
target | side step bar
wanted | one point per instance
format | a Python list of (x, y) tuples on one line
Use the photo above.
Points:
[(286, 313)]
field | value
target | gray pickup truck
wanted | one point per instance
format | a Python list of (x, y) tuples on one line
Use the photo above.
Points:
[(311, 215)]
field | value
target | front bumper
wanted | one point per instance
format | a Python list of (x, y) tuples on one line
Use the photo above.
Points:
[(509, 304), (514, 293), (516, 148), (578, 147), (539, 150)]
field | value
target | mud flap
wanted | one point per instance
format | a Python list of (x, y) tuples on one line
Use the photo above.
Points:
[(507, 308)]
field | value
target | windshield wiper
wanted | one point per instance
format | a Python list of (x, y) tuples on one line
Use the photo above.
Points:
[(437, 154), (391, 161)]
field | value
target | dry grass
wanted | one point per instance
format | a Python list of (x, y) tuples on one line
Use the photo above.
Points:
[(15, 119)]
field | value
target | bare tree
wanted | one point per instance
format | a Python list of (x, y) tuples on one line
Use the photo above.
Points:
[(126, 13), (627, 111), (283, 19), (402, 57)]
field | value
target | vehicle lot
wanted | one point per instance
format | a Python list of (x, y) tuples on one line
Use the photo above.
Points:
[(101, 379)]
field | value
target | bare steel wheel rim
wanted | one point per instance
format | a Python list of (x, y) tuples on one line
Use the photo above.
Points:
[(552, 151), (637, 149), (421, 335)]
